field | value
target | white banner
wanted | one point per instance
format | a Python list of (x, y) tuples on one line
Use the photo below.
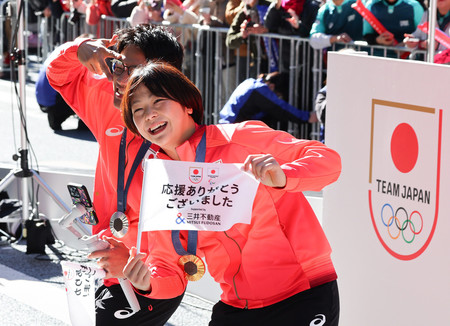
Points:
[(80, 281), (387, 216), (180, 195)]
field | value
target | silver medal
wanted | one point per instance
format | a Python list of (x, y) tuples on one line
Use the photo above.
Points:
[(118, 224)]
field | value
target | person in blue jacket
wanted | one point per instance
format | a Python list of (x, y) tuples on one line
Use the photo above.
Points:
[(52, 103), (263, 99)]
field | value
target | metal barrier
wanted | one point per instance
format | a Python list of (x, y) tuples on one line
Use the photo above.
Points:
[(7, 26), (69, 31), (48, 36), (218, 70), (3, 31), (215, 79), (108, 25), (213, 67), (360, 46)]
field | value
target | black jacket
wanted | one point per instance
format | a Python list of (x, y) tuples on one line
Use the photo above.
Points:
[(275, 20)]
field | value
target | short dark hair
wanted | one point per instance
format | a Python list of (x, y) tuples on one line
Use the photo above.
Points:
[(162, 80), (156, 42), (280, 81)]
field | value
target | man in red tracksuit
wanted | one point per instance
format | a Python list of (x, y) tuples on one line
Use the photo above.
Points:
[(75, 72)]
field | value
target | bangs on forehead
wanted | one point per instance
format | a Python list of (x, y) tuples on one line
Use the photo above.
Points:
[(157, 88)]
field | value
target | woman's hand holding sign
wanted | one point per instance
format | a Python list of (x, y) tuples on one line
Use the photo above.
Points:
[(137, 272), (266, 169)]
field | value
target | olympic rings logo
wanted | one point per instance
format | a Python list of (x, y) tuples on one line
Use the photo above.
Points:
[(402, 220)]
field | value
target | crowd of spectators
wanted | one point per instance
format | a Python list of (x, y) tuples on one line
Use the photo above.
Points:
[(418, 39), (325, 23)]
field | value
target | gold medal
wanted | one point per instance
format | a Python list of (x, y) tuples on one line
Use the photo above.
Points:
[(118, 224), (193, 266)]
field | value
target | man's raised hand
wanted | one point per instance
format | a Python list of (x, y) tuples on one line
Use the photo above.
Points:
[(93, 54)]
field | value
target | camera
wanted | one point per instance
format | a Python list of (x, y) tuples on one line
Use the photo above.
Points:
[(252, 16)]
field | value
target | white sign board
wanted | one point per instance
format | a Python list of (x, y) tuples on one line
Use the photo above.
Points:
[(81, 283), (180, 195), (387, 217)]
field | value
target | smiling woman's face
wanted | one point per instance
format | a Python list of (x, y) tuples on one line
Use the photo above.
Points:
[(160, 120)]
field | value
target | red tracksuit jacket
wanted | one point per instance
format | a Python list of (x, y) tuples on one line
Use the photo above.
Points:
[(284, 250)]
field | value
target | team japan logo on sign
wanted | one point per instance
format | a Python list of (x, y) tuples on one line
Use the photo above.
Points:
[(195, 174), (404, 175)]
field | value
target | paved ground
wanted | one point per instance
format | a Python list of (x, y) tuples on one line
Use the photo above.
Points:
[(31, 285), (68, 149), (32, 289)]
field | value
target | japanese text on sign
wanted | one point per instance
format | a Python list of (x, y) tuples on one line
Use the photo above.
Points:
[(195, 196)]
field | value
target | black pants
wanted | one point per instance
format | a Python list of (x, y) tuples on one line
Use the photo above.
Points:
[(58, 113), (318, 306), (110, 303)]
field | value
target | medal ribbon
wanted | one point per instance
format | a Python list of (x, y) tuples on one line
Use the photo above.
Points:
[(192, 235), (121, 191)]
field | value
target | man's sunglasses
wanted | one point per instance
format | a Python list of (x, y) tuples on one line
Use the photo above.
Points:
[(117, 67)]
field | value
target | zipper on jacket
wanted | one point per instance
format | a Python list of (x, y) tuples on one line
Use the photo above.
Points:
[(239, 268)]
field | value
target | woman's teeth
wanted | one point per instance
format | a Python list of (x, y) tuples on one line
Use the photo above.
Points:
[(159, 126)]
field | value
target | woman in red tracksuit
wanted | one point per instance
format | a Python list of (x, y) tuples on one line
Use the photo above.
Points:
[(276, 270)]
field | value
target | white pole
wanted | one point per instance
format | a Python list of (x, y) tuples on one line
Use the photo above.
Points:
[(431, 30), (22, 102), (139, 237)]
